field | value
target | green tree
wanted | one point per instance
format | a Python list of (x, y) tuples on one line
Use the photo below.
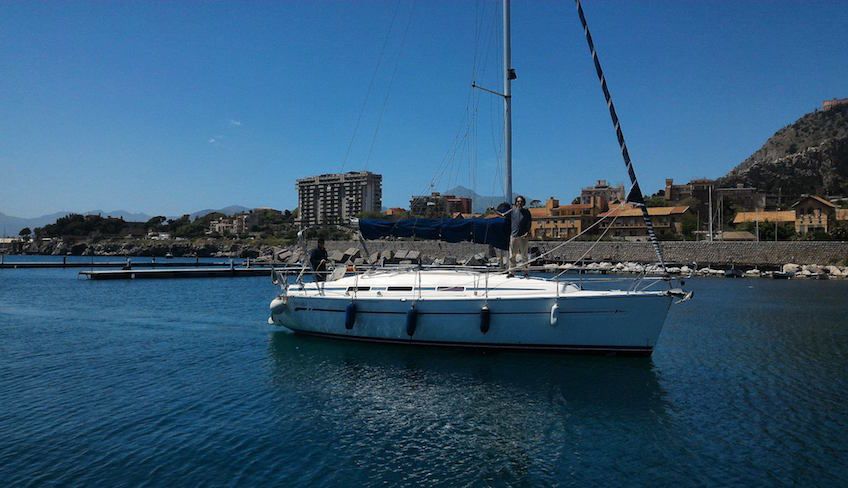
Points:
[(689, 225), (155, 222), (656, 201)]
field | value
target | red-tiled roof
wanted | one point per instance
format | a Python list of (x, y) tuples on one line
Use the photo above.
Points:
[(764, 216), (823, 201), (631, 211)]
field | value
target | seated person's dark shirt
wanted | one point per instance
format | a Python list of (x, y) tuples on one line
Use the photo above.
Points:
[(318, 261)]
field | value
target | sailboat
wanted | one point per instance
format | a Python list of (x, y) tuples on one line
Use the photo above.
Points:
[(481, 308)]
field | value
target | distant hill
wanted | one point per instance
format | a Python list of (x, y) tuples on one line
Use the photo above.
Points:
[(231, 210), (122, 214), (479, 203), (808, 156), (10, 225)]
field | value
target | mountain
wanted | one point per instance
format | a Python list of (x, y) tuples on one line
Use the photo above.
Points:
[(479, 203), (808, 156), (231, 210), (123, 214), (10, 226)]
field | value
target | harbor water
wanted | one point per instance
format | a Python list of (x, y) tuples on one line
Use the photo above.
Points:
[(182, 382)]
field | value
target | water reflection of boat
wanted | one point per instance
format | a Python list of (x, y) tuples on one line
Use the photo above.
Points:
[(733, 273), (393, 374)]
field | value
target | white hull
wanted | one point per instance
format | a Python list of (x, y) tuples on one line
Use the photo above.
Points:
[(522, 313)]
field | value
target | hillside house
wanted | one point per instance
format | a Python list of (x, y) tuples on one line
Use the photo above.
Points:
[(555, 221), (627, 222), (814, 213)]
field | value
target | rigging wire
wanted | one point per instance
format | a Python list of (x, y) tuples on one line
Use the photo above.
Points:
[(391, 82), (370, 85)]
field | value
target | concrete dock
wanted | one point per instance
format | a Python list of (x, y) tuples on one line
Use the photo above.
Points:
[(111, 264), (208, 272)]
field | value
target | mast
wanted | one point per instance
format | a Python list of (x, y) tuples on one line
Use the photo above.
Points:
[(711, 212), (509, 75)]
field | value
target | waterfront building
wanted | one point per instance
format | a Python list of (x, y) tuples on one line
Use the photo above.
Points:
[(698, 189), (741, 197), (236, 224), (438, 205), (763, 216), (336, 198), (809, 214), (11, 245), (554, 221), (814, 213), (395, 212), (601, 195), (628, 223)]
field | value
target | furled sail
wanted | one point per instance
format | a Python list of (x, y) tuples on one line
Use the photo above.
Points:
[(494, 231), (634, 195)]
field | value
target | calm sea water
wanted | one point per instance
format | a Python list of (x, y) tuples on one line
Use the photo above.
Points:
[(182, 383)]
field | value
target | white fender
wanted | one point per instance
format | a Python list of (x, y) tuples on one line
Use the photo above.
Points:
[(554, 314)]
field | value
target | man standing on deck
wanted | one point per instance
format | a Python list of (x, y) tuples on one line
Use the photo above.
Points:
[(318, 261), (518, 218)]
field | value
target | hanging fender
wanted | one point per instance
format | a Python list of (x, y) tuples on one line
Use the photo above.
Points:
[(554, 314), (411, 320), (485, 319), (350, 315)]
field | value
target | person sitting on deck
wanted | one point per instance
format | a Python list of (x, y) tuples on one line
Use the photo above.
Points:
[(518, 221), (318, 261)]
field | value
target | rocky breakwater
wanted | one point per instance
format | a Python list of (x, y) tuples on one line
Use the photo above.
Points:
[(696, 255), (152, 248), (689, 258)]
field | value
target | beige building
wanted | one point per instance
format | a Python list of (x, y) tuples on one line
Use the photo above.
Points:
[(762, 216), (337, 198), (438, 205), (237, 224), (628, 222), (555, 221), (809, 214), (601, 195), (813, 213), (833, 103)]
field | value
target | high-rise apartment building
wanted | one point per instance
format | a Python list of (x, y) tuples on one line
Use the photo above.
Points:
[(336, 198)]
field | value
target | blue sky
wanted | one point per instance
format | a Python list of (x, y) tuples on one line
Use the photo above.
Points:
[(166, 107)]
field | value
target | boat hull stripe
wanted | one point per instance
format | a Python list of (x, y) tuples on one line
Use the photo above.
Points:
[(571, 348), (386, 312)]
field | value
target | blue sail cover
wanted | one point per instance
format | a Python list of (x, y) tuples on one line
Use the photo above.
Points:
[(482, 231)]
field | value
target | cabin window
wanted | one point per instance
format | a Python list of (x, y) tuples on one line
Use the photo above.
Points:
[(399, 288), (450, 288), (358, 288)]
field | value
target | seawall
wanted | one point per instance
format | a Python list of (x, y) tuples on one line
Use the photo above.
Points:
[(759, 254)]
